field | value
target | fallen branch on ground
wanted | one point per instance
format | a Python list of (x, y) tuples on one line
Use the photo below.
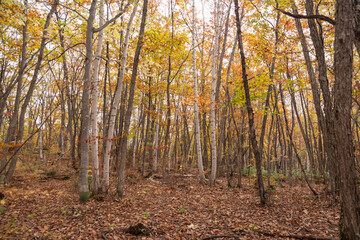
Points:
[(301, 237)]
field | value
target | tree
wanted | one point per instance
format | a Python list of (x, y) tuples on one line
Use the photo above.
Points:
[(85, 109), (115, 104), (196, 106), (21, 121), (213, 96), (94, 105), (124, 139), (252, 133), (343, 145)]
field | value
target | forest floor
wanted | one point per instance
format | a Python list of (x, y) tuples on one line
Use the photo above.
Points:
[(47, 207)]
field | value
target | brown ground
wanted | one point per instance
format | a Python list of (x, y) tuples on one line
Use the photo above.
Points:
[(175, 208)]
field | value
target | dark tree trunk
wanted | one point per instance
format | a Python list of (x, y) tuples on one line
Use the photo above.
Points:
[(252, 133), (343, 145)]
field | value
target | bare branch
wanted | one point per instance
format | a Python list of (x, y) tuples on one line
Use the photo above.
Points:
[(73, 11), (77, 44), (113, 19), (321, 17)]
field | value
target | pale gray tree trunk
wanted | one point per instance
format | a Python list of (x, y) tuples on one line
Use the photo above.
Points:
[(115, 104), (136, 138), (94, 105), (196, 106), (85, 110), (123, 147), (41, 137), (168, 80), (156, 140), (213, 97)]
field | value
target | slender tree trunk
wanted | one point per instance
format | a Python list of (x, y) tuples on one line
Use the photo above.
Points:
[(271, 75), (269, 152), (196, 106), (85, 109), (121, 169), (168, 82), (115, 105), (146, 139), (94, 105), (217, 92), (252, 133), (156, 140), (325, 89), (303, 131), (136, 143), (10, 136), (213, 97), (28, 96), (292, 143)]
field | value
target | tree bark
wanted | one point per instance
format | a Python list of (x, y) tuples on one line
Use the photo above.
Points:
[(94, 105), (213, 97), (115, 105), (196, 106), (252, 133), (121, 169), (10, 136), (343, 145), (85, 109)]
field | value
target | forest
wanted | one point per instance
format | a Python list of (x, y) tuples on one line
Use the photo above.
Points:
[(180, 119)]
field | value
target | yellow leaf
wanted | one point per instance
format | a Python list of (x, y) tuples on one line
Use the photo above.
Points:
[(2, 202)]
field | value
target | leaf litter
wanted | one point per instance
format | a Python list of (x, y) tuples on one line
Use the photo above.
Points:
[(165, 209)]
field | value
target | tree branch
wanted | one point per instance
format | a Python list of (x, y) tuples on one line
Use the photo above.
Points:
[(20, 147), (77, 44), (221, 236), (321, 17), (80, 15), (113, 19)]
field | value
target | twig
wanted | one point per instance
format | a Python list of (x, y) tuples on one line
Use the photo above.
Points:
[(77, 44), (301, 237), (103, 235), (221, 236), (75, 11)]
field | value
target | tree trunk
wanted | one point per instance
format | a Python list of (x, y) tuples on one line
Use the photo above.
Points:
[(292, 142), (28, 96), (213, 97), (10, 136), (196, 106), (343, 145), (252, 133), (85, 109), (121, 169), (94, 105), (156, 140), (115, 105)]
